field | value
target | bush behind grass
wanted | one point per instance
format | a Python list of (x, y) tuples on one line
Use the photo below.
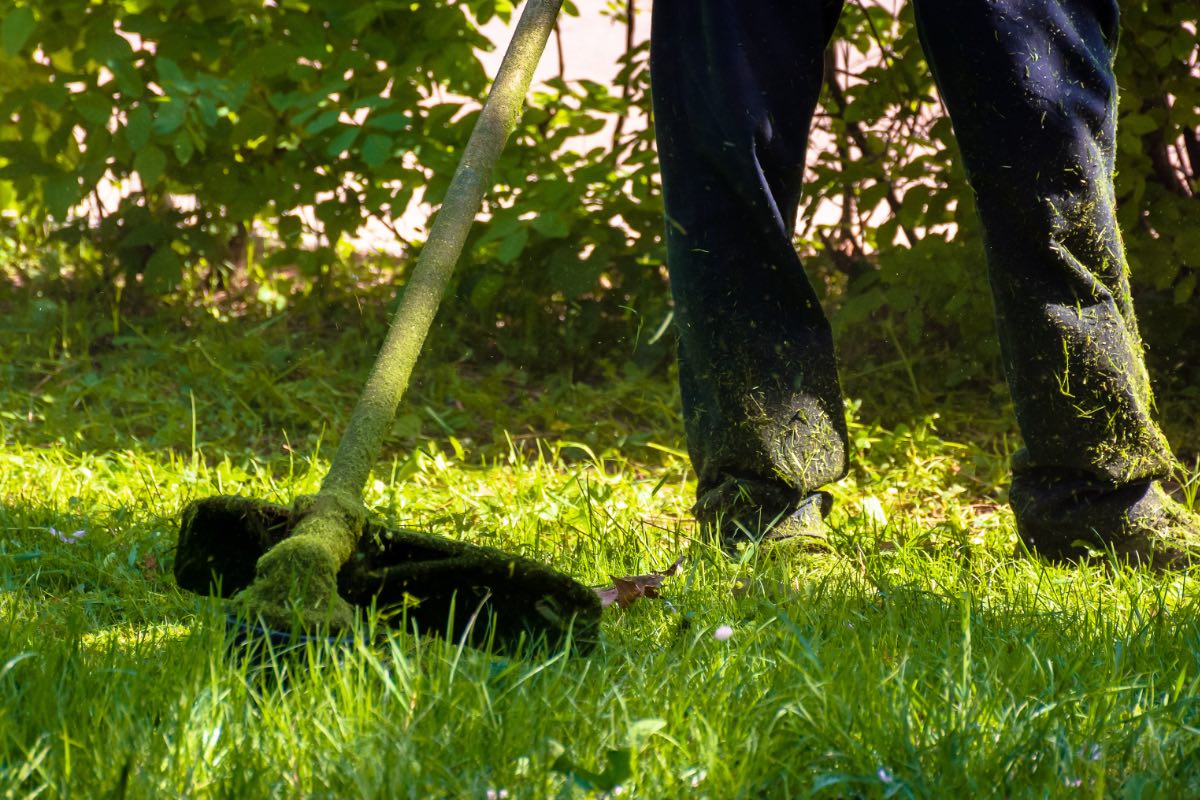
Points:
[(917, 659)]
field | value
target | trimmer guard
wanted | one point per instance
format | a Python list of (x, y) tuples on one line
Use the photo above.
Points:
[(439, 585)]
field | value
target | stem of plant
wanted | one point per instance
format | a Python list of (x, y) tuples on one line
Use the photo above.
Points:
[(296, 580)]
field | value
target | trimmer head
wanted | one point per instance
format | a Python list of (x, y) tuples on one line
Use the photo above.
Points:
[(439, 584)]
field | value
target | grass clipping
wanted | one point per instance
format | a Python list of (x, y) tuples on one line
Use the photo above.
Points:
[(297, 578)]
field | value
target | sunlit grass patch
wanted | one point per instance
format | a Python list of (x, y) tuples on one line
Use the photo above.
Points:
[(918, 658)]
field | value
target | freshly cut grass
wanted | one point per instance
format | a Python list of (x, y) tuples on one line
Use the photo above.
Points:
[(918, 659)]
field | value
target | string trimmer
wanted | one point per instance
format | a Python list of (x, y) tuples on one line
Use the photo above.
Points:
[(305, 568)]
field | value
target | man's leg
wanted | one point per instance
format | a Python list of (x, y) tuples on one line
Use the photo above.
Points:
[(1030, 89), (735, 85)]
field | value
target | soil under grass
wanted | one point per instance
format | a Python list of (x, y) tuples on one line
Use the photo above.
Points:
[(920, 659)]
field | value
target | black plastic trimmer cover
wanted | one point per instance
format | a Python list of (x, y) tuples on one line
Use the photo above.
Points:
[(442, 584)]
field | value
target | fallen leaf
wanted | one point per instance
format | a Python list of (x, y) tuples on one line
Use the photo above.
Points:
[(629, 589)]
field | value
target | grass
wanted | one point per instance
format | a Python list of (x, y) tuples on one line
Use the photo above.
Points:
[(918, 660)]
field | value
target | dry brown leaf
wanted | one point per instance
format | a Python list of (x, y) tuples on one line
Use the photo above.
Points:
[(629, 589), (150, 565)]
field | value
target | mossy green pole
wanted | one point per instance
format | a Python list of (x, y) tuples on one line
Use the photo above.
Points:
[(296, 580)]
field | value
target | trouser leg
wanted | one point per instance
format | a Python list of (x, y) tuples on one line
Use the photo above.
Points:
[(1030, 90), (735, 85)]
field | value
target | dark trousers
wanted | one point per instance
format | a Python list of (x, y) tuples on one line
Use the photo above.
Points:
[(1030, 91)]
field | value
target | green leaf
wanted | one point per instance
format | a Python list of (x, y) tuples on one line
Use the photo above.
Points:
[(1185, 289), (164, 269), (270, 61), (137, 128), (61, 192), (282, 101), (371, 101), (254, 122), (106, 46), (392, 122), (17, 28), (551, 224), (342, 142), (150, 163), (376, 149), (94, 107), (147, 25), (170, 73), (290, 228), (24, 159), (1138, 124), (63, 60), (322, 122), (170, 116), (55, 96), (232, 93), (96, 158), (149, 233), (129, 80), (333, 215), (183, 146), (208, 110), (512, 245), (308, 34)]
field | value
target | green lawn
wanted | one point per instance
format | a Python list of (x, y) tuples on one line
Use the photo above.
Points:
[(918, 660)]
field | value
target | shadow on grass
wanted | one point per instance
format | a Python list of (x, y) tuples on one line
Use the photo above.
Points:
[(905, 672)]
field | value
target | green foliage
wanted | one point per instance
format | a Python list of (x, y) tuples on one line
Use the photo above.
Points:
[(220, 121), (573, 252), (904, 259), (212, 116), (905, 248), (1158, 166), (308, 119)]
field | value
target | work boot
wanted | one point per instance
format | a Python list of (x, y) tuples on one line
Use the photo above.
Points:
[(1072, 520), (746, 512)]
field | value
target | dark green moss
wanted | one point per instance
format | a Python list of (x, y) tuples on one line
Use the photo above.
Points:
[(439, 584)]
